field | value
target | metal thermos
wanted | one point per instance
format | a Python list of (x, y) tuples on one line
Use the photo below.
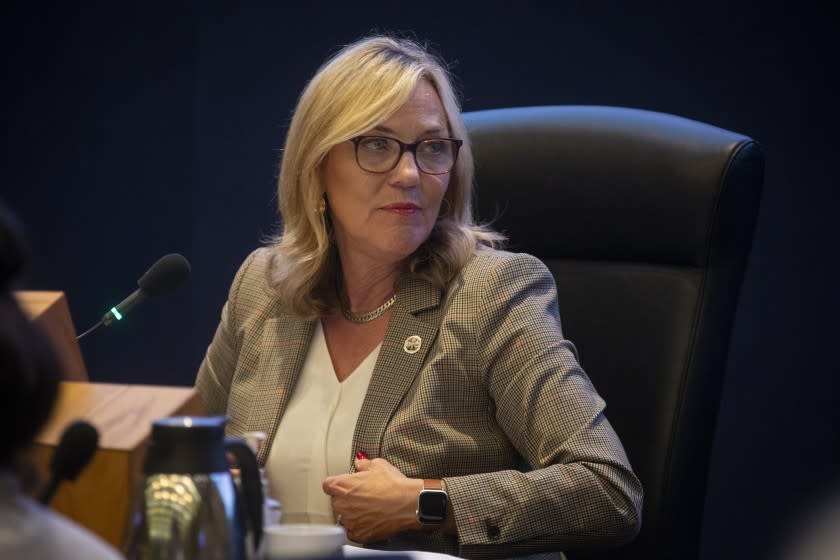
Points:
[(188, 506)]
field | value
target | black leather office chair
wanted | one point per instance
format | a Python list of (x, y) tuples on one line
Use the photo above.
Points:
[(646, 221)]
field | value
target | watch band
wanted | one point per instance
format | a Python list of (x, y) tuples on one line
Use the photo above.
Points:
[(432, 484)]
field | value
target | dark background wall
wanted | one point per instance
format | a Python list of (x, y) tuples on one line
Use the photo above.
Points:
[(135, 129)]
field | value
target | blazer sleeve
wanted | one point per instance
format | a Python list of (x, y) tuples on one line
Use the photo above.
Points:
[(215, 374), (580, 489)]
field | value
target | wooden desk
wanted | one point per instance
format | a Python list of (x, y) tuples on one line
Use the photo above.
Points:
[(100, 498), (49, 310)]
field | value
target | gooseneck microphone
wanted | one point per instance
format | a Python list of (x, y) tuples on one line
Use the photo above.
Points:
[(165, 275), (74, 451)]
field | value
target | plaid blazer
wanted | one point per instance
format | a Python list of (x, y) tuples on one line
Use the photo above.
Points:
[(493, 386)]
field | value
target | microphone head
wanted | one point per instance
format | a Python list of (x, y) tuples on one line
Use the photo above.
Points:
[(165, 275), (74, 451)]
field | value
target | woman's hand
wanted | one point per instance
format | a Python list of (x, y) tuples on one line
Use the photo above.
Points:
[(375, 502)]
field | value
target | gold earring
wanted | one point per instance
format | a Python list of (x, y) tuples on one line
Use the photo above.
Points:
[(322, 207)]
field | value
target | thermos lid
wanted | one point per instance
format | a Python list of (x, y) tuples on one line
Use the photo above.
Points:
[(211, 423), (187, 445)]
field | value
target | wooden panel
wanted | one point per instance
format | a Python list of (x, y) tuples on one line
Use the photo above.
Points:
[(101, 497), (49, 310), (122, 413)]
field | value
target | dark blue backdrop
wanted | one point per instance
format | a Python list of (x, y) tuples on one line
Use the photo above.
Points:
[(135, 130)]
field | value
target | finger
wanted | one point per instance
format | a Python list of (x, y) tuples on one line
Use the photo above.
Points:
[(338, 507), (330, 485), (362, 464)]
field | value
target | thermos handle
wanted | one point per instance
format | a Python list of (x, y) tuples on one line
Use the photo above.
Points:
[(249, 472)]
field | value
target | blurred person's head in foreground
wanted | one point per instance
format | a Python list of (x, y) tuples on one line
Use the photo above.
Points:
[(28, 367)]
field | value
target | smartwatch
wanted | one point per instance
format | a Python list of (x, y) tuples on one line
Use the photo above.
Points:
[(431, 504)]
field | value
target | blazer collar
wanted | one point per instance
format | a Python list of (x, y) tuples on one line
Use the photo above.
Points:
[(285, 343), (411, 332)]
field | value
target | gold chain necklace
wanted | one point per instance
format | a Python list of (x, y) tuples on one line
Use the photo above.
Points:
[(370, 315)]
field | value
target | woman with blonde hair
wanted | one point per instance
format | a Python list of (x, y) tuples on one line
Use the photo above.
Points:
[(402, 367)]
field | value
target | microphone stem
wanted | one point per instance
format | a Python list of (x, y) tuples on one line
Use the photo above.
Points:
[(90, 330), (49, 491)]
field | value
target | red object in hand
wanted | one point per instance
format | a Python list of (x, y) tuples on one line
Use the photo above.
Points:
[(361, 455)]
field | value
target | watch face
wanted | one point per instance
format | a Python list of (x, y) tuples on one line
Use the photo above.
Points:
[(432, 506)]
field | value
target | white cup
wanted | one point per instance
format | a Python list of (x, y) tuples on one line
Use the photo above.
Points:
[(303, 541)]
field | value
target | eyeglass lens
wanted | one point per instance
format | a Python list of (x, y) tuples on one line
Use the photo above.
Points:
[(379, 154)]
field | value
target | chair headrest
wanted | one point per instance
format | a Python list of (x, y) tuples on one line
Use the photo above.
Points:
[(608, 182)]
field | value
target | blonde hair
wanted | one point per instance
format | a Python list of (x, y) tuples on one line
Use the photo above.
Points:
[(360, 87)]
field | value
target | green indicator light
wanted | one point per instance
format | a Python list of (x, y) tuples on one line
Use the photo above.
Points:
[(116, 313)]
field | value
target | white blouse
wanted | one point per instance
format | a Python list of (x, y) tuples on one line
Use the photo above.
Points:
[(315, 434)]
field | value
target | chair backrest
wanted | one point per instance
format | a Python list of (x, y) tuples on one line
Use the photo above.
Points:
[(646, 221)]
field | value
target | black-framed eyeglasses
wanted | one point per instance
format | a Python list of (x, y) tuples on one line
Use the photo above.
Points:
[(380, 154)]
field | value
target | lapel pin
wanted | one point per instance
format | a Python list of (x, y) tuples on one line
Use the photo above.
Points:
[(412, 344)]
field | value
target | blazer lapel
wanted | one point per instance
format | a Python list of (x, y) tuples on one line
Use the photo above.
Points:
[(411, 332), (285, 343)]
